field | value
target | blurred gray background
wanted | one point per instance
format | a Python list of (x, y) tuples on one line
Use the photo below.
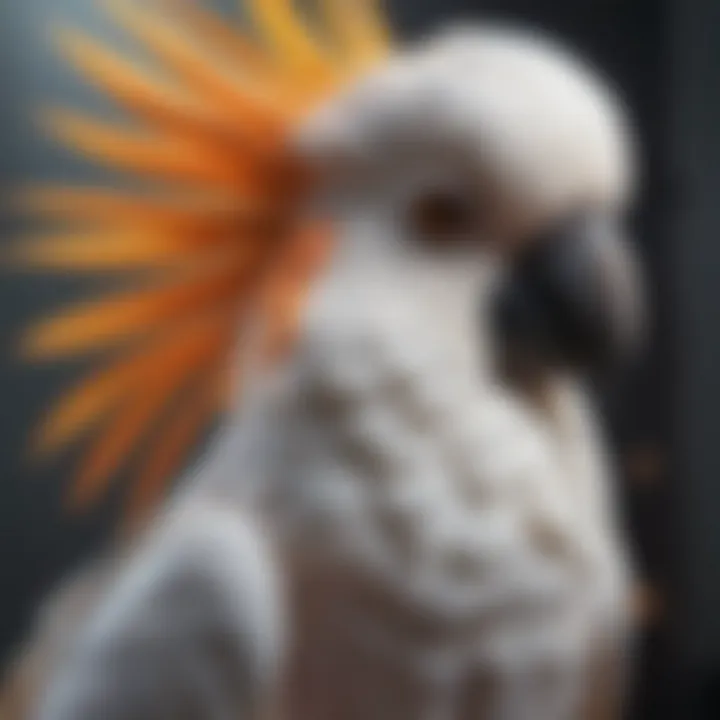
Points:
[(665, 58)]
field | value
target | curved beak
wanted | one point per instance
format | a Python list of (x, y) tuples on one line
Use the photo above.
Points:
[(573, 299)]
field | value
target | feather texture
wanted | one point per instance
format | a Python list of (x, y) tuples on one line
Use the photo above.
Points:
[(212, 239), (170, 448), (148, 94), (130, 423), (129, 376), (107, 250), (216, 81), (94, 325), (177, 215), (357, 30), (291, 40), (160, 156)]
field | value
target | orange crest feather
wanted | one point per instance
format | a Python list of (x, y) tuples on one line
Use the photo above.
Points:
[(214, 239)]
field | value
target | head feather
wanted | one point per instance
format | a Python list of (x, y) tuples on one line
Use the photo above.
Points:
[(213, 240)]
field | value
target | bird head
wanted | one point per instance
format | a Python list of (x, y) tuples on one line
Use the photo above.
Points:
[(486, 174)]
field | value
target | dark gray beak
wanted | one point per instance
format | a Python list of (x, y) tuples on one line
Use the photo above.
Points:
[(572, 299)]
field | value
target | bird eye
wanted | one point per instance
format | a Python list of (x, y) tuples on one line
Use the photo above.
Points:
[(441, 216)]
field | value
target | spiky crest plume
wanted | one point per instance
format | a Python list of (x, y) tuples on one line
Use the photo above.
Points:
[(210, 240)]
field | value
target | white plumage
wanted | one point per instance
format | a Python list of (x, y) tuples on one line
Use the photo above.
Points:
[(445, 545)]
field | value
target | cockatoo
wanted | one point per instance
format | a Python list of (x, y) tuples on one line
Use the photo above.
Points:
[(410, 262)]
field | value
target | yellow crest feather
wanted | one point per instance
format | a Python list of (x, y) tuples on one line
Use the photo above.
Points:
[(212, 240)]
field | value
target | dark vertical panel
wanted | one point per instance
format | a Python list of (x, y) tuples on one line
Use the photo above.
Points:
[(696, 159)]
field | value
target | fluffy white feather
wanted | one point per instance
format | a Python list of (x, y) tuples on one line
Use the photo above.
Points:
[(448, 547)]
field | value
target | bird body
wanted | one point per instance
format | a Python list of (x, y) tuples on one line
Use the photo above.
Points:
[(441, 537), (387, 526), (444, 547)]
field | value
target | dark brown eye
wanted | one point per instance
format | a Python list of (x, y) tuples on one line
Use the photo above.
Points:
[(442, 216)]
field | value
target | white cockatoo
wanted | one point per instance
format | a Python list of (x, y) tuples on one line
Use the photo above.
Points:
[(408, 514)]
